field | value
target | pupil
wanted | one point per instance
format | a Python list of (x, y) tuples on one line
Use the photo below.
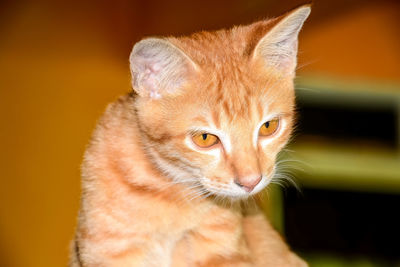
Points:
[(204, 136), (267, 124)]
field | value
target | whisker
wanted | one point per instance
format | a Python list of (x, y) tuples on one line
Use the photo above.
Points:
[(300, 66), (307, 89)]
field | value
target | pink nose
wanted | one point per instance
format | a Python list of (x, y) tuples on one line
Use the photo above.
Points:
[(249, 183)]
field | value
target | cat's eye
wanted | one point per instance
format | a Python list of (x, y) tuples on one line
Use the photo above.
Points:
[(205, 140), (269, 127)]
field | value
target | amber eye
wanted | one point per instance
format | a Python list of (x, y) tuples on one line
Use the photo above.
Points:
[(269, 127), (205, 140)]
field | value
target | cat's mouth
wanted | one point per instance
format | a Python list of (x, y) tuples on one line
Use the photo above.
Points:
[(232, 189)]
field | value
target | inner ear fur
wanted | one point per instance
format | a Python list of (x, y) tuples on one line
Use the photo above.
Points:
[(158, 67), (277, 47)]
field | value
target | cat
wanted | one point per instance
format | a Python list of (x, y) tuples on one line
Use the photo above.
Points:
[(170, 164)]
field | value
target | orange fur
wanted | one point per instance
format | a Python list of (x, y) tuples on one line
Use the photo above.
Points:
[(149, 198)]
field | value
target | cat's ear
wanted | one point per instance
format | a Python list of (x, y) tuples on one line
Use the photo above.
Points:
[(278, 47), (158, 68)]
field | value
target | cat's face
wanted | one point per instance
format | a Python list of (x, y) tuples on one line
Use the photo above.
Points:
[(215, 109), (221, 134)]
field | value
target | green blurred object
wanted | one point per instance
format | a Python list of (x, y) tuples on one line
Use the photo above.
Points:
[(349, 165), (327, 260)]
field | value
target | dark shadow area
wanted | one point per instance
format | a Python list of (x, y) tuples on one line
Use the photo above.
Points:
[(349, 224), (355, 124)]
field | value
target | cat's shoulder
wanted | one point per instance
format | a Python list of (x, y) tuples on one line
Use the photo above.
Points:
[(119, 113), (123, 105)]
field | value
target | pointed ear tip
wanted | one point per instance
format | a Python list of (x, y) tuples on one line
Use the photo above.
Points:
[(301, 13), (305, 9)]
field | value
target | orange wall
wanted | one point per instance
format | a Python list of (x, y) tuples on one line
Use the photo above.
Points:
[(361, 44), (54, 84)]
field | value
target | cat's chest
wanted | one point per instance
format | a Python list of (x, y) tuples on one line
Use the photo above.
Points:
[(170, 246), (160, 253)]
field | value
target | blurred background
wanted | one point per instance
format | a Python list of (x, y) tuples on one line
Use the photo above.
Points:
[(61, 62)]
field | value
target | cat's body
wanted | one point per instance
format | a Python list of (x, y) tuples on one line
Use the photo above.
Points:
[(152, 183)]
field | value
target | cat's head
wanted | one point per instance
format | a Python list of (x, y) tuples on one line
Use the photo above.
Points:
[(215, 108)]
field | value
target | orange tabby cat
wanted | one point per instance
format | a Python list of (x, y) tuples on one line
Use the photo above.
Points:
[(208, 115)]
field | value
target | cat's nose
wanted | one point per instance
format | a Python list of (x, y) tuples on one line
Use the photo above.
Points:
[(248, 183)]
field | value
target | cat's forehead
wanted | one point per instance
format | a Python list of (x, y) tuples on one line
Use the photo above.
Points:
[(239, 92), (242, 102), (233, 95)]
